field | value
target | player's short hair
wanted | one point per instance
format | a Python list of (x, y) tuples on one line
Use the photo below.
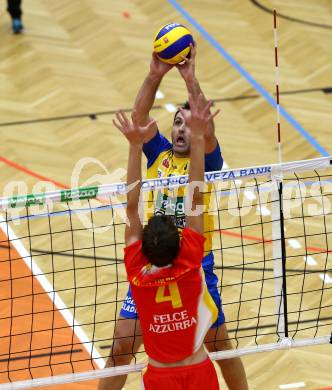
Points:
[(185, 106), (161, 240)]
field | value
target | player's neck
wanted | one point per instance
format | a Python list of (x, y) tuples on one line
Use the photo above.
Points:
[(181, 154)]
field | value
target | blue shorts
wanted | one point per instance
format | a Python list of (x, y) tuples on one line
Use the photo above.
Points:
[(128, 309)]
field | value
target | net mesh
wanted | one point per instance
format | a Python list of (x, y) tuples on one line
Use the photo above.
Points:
[(63, 281)]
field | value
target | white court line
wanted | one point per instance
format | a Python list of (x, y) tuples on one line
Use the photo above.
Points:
[(292, 385), (295, 244), (54, 297)]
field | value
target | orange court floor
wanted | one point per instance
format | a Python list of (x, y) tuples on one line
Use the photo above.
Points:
[(41, 343)]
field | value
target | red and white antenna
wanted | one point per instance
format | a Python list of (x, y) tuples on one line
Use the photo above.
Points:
[(277, 82)]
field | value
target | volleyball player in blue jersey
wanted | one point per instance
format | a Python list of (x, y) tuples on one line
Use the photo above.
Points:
[(166, 159)]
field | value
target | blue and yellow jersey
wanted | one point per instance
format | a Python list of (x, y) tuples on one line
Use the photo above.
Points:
[(163, 163)]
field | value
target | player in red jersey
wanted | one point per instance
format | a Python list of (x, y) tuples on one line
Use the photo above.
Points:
[(165, 159), (165, 273)]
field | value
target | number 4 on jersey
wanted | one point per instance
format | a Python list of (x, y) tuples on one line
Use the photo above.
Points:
[(174, 295)]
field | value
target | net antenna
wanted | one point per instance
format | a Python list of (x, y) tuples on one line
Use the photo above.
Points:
[(277, 83), (278, 229)]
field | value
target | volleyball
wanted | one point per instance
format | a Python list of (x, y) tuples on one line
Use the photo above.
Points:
[(172, 42)]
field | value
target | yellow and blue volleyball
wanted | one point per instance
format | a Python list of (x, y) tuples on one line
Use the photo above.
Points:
[(172, 42)]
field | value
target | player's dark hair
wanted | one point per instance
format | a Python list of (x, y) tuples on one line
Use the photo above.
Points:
[(161, 241), (185, 106)]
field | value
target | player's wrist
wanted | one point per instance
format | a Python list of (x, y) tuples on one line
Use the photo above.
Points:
[(154, 77), (209, 134), (197, 136), (136, 145)]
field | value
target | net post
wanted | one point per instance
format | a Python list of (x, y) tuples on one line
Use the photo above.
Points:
[(279, 252)]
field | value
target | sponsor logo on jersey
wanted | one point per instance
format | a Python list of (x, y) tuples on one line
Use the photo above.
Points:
[(165, 163), (172, 206), (164, 323)]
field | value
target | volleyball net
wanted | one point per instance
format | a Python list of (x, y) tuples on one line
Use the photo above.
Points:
[(63, 280)]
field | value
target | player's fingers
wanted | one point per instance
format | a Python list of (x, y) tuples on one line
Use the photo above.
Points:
[(117, 125), (184, 113), (120, 118), (214, 114), (207, 107), (124, 116), (154, 56), (193, 50), (150, 124), (185, 59)]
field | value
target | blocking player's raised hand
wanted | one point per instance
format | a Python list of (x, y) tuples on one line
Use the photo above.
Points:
[(199, 117), (135, 134)]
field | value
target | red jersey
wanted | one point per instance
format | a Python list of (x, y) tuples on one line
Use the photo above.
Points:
[(174, 306)]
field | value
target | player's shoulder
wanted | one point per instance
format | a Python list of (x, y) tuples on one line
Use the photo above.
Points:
[(214, 160), (188, 232), (192, 240), (155, 146), (191, 249)]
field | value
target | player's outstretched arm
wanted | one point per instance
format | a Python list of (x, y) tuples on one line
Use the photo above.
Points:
[(198, 120), (187, 71), (135, 135), (147, 93)]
